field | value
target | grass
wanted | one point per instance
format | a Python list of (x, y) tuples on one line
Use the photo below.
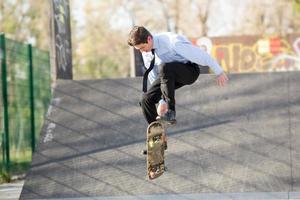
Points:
[(19, 165)]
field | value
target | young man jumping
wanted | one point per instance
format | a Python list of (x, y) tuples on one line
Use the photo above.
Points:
[(173, 62)]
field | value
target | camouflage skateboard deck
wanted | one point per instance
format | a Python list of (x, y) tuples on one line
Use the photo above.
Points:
[(155, 149)]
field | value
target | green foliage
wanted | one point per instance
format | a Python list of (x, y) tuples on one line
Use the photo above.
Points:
[(297, 5), (5, 177), (26, 20), (99, 67), (99, 51), (18, 166)]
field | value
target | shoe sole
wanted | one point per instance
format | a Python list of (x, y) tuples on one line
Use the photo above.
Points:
[(167, 123)]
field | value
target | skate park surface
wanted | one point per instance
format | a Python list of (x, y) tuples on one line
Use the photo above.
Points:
[(235, 142)]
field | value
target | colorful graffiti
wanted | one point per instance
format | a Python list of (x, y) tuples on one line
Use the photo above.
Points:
[(255, 54), (286, 61)]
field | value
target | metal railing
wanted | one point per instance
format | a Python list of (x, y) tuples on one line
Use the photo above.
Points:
[(25, 96)]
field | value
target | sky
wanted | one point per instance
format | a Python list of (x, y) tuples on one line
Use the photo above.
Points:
[(227, 15), (218, 26)]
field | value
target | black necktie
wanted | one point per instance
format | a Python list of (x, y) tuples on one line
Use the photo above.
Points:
[(145, 78)]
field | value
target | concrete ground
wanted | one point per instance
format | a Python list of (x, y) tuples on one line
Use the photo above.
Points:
[(237, 142), (11, 191)]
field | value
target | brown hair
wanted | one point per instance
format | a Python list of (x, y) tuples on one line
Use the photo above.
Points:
[(138, 35)]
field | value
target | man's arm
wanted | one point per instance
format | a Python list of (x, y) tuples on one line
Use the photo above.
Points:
[(197, 55), (200, 57)]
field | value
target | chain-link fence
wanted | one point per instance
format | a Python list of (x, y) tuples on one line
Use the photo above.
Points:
[(25, 95)]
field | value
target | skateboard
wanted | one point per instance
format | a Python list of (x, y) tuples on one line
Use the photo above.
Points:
[(156, 145)]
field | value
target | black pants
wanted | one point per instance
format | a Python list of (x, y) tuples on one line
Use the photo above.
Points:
[(171, 76)]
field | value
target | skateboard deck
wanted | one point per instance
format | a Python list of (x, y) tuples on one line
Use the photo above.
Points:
[(155, 149)]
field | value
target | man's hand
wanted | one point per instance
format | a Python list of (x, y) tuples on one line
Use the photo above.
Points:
[(162, 108), (222, 79)]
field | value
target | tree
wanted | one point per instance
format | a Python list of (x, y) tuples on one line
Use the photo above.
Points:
[(26, 20), (101, 52)]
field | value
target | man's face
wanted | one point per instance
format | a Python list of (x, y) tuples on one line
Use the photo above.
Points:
[(145, 47)]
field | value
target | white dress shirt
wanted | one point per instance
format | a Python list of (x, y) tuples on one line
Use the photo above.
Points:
[(171, 47)]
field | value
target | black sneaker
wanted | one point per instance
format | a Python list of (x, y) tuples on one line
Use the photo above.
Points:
[(169, 117)]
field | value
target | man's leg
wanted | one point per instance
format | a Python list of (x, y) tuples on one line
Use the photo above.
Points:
[(150, 98), (174, 75)]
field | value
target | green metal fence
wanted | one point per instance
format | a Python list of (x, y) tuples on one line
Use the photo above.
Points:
[(25, 96)]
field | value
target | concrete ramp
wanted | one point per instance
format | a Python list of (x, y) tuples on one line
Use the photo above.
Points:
[(239, 141)]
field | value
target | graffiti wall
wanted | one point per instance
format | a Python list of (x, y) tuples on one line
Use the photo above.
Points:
[(253, 53)]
